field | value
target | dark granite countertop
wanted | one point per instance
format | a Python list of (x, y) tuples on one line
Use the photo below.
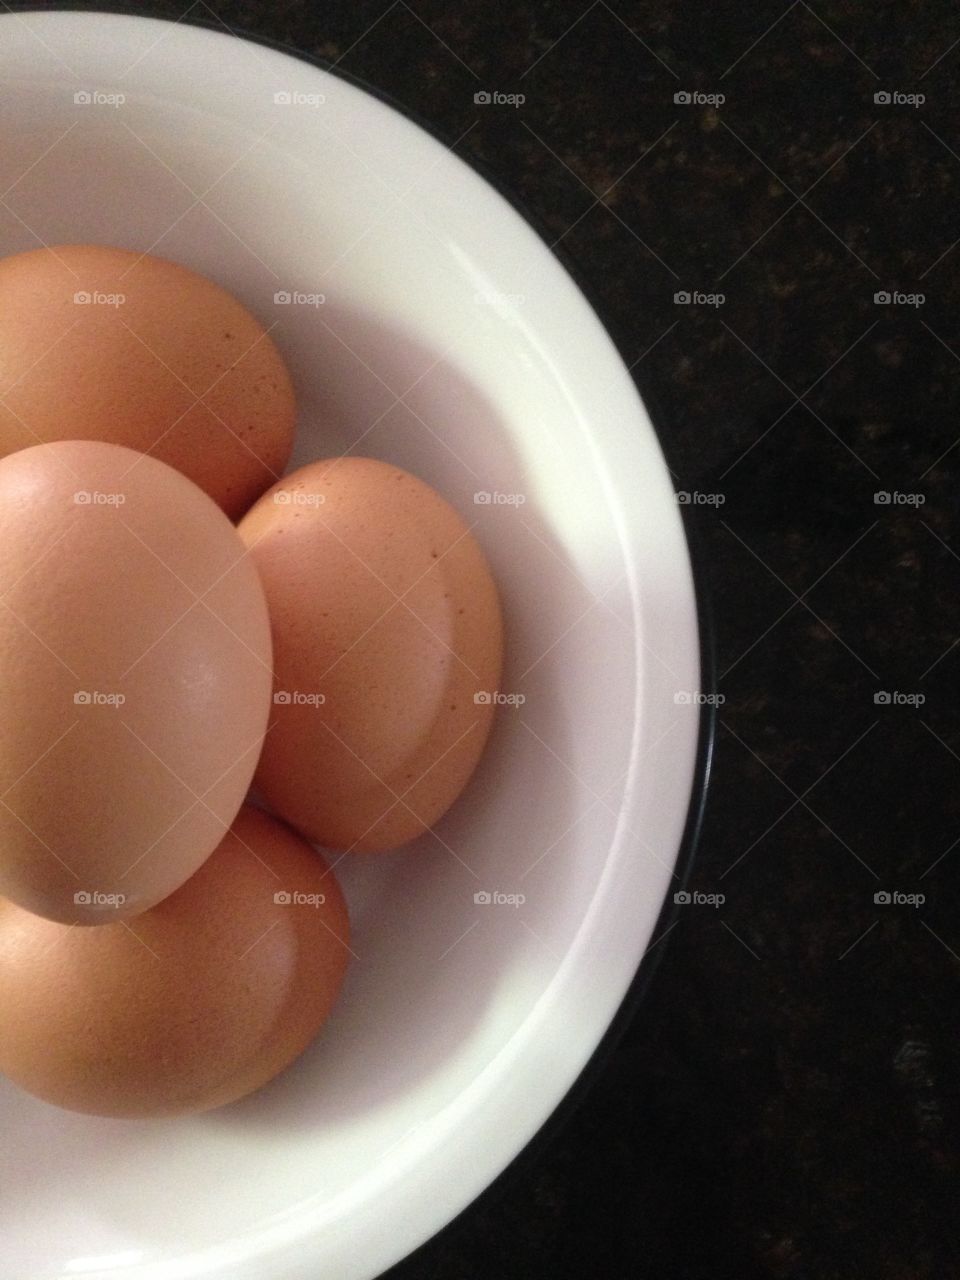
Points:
[(785, 1106)]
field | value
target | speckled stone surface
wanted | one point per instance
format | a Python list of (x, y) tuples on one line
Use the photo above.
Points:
[(785, 1105)]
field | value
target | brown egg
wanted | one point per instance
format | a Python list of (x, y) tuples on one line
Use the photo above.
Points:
[(198, 1002), (99, 343), (387, 644), (135, 677)]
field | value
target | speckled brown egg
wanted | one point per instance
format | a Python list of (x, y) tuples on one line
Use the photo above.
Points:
[(197, 1003), (135, 678), (98, 343), (387, 645)]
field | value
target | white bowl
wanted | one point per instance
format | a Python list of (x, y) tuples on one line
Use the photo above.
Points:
[(453, 343)]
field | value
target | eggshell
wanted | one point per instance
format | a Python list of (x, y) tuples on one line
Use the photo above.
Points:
[(135, 675), (198, 1002), (98, 343), (387, 645)]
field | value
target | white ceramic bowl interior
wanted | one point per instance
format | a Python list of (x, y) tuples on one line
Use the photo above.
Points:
[(451, 342)]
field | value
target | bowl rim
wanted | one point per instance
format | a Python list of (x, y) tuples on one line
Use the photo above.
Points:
[(694, 535)]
